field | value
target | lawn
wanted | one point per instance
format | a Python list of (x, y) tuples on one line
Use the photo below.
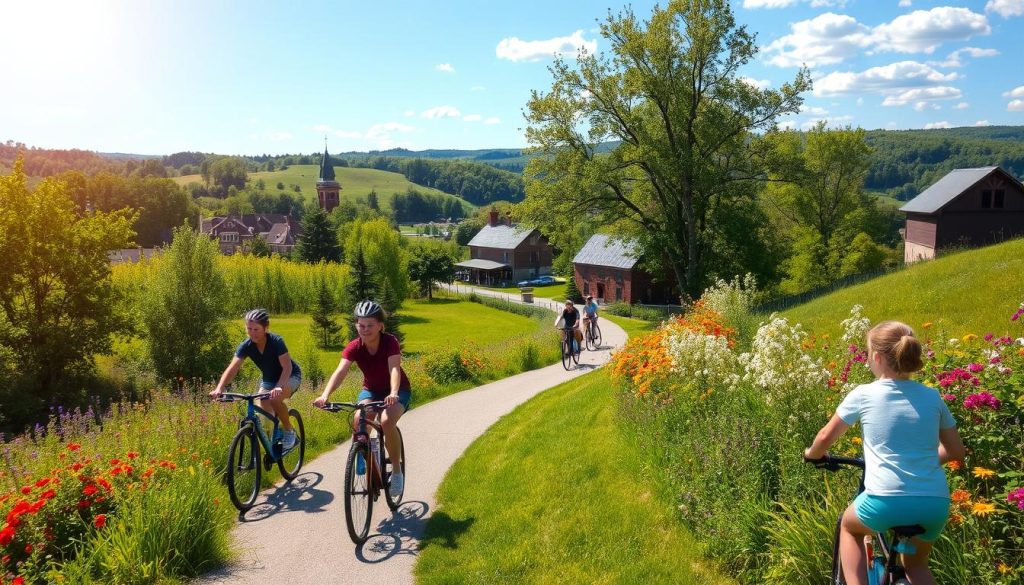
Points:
[(552, 494), (964, 292), (554, 291)]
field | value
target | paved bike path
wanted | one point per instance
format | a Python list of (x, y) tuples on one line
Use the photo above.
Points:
[(296, 533)]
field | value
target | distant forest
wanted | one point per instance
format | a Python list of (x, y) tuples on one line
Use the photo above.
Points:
[(906, 162)]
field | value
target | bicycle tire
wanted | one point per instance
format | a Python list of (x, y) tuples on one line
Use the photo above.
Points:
[(837, 562), (596, 337), (575, 350), (393, 501), (565, 349), (291, 462), (358, 496), (244, 469)]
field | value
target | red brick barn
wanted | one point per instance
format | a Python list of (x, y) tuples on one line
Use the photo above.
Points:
[(607, 268), (967, 207)]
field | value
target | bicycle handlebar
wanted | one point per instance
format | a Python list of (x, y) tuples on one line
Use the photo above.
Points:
[(833, 463), (233, 396), (340, 406)]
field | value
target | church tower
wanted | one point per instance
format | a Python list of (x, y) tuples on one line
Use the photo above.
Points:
[(327, 189)]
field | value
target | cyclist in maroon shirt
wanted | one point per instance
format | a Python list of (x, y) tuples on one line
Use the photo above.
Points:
[(379, 358)]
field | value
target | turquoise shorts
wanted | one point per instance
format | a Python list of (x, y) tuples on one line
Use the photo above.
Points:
[(880, 513), (404, 396)]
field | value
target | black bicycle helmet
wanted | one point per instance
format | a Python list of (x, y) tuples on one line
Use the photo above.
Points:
[(259, 316), (367, 309)]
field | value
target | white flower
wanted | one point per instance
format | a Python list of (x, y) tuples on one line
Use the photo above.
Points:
[(856, 327)]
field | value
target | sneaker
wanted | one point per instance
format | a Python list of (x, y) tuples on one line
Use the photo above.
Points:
[(397, 484), (360, 464), (288, 441)]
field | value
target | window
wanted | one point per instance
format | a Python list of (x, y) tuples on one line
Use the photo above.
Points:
[(618, 293), (586, 288), (1000, 197), (229, 237), (504, 257), (986, 199)]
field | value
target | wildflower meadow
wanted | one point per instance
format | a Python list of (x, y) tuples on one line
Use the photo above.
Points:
[(724, 417)]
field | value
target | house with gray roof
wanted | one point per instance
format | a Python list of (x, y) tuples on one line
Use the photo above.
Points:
[(965, 208), (234, 232), (608, 269), (502, 253)]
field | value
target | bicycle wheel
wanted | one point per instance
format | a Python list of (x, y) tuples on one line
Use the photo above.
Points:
[(244, 470), (565, 354), (291, 461), (358, 499), (393, 501), (575, 350), (837, 563), (596, 336)]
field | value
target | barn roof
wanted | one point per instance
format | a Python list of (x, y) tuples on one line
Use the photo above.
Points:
[(603, 250), (501, 237), (950, 187)]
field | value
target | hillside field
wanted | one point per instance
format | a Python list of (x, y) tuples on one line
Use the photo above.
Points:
[(973, 291)]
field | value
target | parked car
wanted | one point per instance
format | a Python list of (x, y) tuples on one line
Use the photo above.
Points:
[(541, 281)]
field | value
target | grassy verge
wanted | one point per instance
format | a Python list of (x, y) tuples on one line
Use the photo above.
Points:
[(550, 494), (632, 327)]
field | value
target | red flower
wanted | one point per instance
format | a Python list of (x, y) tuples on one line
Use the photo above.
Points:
[(115, 462), (76, 467), (100, 521), (49, 494), (83, 504), (89, 490), (42, 482), (106, 484), (74, 446), (18, 581), (28, 549), (115, 471), (132, 455), (6, 535), (26, 490)]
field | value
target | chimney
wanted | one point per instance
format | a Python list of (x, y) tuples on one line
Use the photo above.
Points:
[(508, 218), (493, 221)]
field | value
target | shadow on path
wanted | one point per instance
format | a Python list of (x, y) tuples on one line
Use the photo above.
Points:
[(397, 534), (298, 495)]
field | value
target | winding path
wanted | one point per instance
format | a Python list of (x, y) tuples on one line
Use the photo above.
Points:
[(296, 533)]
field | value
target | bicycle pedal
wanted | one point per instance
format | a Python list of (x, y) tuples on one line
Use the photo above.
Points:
[(268, 461)]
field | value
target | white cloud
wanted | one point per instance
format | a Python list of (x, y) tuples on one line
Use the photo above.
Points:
[(754, 4), (830, 121), (445, 68), (905, 3), (758, 83), (383, 135), (1015, 106), (885, 79), (982, 123), (441, 112), (962, 106), (321, 128), (934, 125), (813, 110), (409, 113), (942, 92), (828, 3), (1005, 8), (473, 118), (348, 134), (1017, 92), (831, 38), (953, 60), (515, 49), (492, 121), (787, 125), (924, 30), (826, 39)]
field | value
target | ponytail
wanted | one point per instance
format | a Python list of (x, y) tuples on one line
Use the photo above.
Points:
[(897, 344)]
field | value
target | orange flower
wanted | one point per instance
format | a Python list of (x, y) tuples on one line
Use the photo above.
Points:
[(960, 496), (983, 509), (955, 465), (956, 518), (926, 325), (983, 473), (73, 446)]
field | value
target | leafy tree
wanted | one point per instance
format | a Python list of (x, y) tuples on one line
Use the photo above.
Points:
[(258, 247), (371, 200), (429, 264), (151, 167), (324, 329), (391, 304), (229, 171), (58, 307), (184, 310), (382, 249), (318, 241), (660, 137)]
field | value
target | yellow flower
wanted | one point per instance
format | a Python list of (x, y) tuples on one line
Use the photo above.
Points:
[(1004, 568), (983, 509), (857, 441), (969, 337), (926, 325), (983, 473)]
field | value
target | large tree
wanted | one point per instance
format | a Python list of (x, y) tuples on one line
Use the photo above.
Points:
[(430, 263), (661, 135), (319, 241), (58, 307)]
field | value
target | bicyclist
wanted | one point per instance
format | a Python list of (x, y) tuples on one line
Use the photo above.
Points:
[(281, 375), (908, 433), (379, 357), (590, 311), (568, 318)]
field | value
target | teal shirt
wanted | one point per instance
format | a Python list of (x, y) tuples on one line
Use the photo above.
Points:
[(900, 422)]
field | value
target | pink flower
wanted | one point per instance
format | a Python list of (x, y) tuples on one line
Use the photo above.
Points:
[(995, 360), (1016, 497), (949, 397), (981, 399), (975, 368), (989, 336)]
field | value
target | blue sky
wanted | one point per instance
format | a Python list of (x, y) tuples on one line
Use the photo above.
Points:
[(273, 77)]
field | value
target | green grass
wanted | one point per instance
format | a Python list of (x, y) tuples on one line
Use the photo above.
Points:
[(355, 183), (964, 292), (633, 327), (554, 291), (551, 494)]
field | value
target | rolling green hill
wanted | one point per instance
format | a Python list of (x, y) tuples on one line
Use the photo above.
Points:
[(974, 291), (355, 183)]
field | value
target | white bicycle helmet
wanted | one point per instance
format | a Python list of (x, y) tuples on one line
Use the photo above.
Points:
[(367, 309)]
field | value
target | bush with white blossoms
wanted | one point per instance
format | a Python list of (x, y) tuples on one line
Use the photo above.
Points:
[(777, 363), (702, 359), (856, 327)]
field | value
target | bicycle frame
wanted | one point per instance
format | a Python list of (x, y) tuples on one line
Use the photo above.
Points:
[(252, 413), (361, 433)]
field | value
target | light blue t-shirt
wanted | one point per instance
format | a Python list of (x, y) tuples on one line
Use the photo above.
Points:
[(900, 421)]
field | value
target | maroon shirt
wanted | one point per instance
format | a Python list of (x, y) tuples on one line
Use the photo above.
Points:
[(376, 376)]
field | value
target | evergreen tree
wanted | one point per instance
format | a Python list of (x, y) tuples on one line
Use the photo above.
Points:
[(318, 241), (361, 285), (391, 303), (324, 329), (572, 292)]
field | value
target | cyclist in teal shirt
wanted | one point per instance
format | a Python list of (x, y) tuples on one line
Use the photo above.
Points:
[(908, 433), (281, 375)]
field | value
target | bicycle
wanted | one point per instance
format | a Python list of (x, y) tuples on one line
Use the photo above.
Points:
[(570, 348), (363, 489), (244, 471), (883, 568), (593, 334)]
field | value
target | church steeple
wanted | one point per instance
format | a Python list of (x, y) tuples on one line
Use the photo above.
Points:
[(327, 188)]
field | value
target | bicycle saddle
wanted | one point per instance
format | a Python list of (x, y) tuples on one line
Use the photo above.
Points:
[(908, 531)]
